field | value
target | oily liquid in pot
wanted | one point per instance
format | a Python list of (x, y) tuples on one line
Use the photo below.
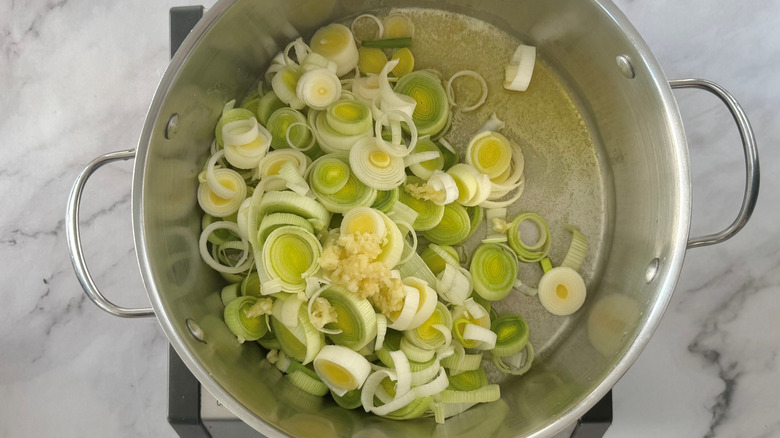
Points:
[(563, 179)]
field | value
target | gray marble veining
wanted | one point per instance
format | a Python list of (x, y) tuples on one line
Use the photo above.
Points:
[(76, 78)]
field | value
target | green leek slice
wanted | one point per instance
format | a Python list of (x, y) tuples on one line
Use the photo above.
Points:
[(350, 399), (426, 169), (389, 43), (290, 202), (434, 332), (432, 109), (329, 175), (268, 105), (578, 249), (273, 221), (250, 286), (353, 194), (454, 227), (356, 318), (230, 293), (518, 363), (385, 199), (494, 270), (279, 126), (243, 327), (349, 117), (490, 153), (529, 252), (469, 380), (405, 62), (512, 334), (429, 213), (486, 394), (291, 254), (371, 60)]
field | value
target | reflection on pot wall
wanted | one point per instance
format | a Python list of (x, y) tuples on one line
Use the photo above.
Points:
[(610, 320)]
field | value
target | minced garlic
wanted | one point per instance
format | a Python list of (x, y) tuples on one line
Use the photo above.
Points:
[(322, 313), (424, 192), (353, 265), (263, 306)]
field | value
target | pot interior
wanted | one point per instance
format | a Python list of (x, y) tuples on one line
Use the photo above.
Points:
[(604, 151)]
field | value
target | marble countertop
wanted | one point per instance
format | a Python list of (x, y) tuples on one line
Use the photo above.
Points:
[(76, 78)]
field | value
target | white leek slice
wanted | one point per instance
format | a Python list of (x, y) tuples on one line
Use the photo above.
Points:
[(444, 183), (517, 75), (403, 372), (473, 186), (482, 83), (578, 249), (341, 369), (218, 206), (285, 84), (403, 318), (288, 314), (433, 387), (380, 27), (396, 149), (336, 42), (366, 89), (318, 88), (426, 304), (364, 220), (455, 284), (490, 153), (562, 291), (381, 330), (374, 166), (294, 180), (315, 60), (292, 144), (243, 264)]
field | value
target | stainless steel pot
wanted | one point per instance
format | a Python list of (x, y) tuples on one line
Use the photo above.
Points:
[(641, 145)]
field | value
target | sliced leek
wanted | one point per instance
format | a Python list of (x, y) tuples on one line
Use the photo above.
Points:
[(578, 249), (405, 62), (341, 369), (540, 241), (426, 169), (280, 125), (379, 24), (438, 257), (494, 269), (435, 331), (518, 73), (285, 84), (375, 167), (349, 117), (398, 26), (291, 254), (511, 334), (562, 291), (516, 364), (468, 380), (244, 327), (371, 60), (453, 227), (490, 153), (355, 318), (429, 213), (336, 43), (389, 43), (318, 88), (482, 83), (245, 143), (431, 112), (290, 202), (329, 175), (386, 199)]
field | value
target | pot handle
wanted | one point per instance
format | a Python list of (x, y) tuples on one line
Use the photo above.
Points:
[(74, 239), (752, 175)]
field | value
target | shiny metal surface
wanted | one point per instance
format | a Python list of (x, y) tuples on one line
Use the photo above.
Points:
[(73, 237), (641, 148), (752, 171)]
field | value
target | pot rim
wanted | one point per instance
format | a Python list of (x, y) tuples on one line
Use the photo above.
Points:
[(666, 280)]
